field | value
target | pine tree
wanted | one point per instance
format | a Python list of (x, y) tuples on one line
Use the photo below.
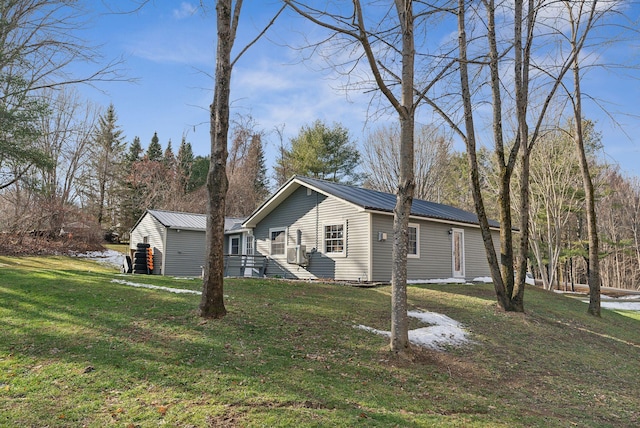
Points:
[(154, 151), (321, 152), (169, 159), (108, 156), (260, 184), (135, 150), (185, 161), (131, 205)]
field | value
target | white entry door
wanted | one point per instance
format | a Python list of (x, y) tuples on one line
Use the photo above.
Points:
[(249, 251), (457, 252)]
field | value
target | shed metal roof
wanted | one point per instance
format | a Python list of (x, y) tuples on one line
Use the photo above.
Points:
[(367, 199), (191, 221)]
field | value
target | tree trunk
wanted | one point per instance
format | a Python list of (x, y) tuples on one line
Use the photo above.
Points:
[(470, 142), (592, 228), (212, 302), (406, 186)]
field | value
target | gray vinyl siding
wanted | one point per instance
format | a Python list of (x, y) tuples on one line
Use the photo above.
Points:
[(309, 212), (436, 259), (185, 252), (150, 227), (475, 256)]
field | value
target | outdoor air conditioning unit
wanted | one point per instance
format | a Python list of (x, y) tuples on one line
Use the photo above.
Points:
[(298, 255)]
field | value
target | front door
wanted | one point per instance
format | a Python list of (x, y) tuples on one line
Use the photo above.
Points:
[(457, 252), (248, 251)]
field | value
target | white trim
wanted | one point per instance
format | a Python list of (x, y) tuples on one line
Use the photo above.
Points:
[(342, 253), (269, 241), (437, 220), (371, 240), (230, 247), (457, 273), (416, 226), (283, 193), (249, 250)]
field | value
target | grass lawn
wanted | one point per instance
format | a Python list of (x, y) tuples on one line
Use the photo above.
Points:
[(77, 349)]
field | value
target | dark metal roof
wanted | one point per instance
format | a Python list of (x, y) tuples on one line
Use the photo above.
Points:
[(379, 201)]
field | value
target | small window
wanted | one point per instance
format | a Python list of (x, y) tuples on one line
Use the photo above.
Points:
[(413, 243), (278, 241), (334, 239), (234, 245)]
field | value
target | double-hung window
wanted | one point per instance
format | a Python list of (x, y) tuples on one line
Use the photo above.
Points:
[(278, 241), (413, 242), (334, 238)]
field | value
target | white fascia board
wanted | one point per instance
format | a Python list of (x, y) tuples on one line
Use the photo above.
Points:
[(435, 220)]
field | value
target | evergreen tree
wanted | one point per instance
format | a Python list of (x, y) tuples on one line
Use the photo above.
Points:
[(135, 150), (321, 152), (260, 184), (131, 205), (154, 151), (199, 172), (169, 159), (185, 161), (108, 156)]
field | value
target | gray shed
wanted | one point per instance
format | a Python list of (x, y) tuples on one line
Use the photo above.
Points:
[(177, 240)]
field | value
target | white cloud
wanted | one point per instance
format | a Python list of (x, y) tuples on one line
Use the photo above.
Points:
[(186, 10)]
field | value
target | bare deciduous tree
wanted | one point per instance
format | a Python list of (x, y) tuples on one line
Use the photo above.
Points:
[(381, 159), (38, 43), (384, 40), (228, 15)]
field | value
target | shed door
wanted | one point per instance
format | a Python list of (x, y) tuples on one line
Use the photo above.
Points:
[(457, 252)]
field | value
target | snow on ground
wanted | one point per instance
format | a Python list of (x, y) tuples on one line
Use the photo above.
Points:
[(486, 279), (615, 304), (111, 257), (443, 332), (155, 287), (437, 281)]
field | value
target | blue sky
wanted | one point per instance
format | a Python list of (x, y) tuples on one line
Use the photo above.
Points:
[(169, 47)]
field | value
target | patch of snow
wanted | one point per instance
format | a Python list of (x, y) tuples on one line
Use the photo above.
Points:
[(483, 279), (155, 287), (625, 297), (443, 332), (111, 257), (437, 281), (623, 306)]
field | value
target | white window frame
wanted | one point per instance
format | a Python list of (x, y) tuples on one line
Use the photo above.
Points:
[(250, 245), (342, 253), (461, 273), (270, 239), (416, 226), (231, 238)]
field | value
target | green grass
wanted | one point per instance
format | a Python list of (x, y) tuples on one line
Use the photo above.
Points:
[(77, 349)]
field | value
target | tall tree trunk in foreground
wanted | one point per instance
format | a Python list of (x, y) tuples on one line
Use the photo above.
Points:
[(212, 302), (406, 184), (576, 12), (228, 14), (593, 270)]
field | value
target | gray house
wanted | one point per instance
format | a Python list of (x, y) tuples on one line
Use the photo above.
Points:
[(313, 228), (178, 240)]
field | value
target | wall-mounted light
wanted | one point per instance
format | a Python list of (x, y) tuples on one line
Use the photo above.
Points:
[(450, 231), (382, 236)]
